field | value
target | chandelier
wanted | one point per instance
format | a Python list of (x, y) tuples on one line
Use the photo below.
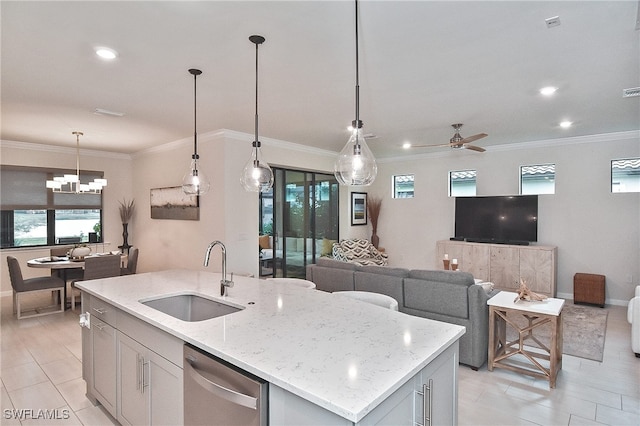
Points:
[(356, 164), (70, 184)]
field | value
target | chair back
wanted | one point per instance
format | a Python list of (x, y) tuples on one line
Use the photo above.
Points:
[(60, 251), (15, 274), (132, 262), (97, 267)]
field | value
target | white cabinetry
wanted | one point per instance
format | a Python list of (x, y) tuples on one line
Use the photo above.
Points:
[(409, 405), (135, 369), (505, 265)]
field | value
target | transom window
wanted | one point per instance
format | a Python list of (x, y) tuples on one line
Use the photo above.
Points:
[(462, 183), (538, 179), (625, 175), (403, 186)]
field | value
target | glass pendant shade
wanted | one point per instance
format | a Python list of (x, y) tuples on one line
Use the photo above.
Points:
[(195, 182), (356, 165), (257, 176)]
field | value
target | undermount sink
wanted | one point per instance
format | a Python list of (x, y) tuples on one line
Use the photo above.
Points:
[(190, 307)]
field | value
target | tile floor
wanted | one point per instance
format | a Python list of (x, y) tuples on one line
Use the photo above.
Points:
[(41, 369)]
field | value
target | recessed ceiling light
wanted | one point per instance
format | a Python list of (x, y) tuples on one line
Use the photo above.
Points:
[(566, 124), (548, 91), (406, 145), (106, 53)]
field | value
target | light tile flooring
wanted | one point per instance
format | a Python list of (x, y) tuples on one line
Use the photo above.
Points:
[(41, 369)]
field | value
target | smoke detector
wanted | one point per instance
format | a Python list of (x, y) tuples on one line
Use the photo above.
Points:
[(552, 22)]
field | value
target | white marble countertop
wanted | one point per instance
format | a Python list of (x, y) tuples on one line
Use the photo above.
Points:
[(344, 355), (509, 299)]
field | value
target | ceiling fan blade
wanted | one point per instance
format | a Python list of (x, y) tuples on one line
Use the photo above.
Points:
[(429, 146), (474, 148), (474, 138)]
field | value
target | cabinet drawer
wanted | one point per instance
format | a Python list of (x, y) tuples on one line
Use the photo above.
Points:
[(103, 311)]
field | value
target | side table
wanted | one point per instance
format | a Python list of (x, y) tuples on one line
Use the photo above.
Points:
[(544, 362)]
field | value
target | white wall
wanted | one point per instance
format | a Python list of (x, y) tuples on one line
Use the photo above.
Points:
[(595, 230), (117, 170)]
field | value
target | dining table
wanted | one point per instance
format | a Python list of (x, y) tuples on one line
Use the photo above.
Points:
[(62, 264)]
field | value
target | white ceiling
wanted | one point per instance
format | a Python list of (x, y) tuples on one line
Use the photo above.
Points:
[(423, 66)]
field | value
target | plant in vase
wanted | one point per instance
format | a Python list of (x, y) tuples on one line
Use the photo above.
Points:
[(127, 209), (374, 205)]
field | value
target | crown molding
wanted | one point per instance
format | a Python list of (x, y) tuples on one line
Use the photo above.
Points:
[(63, 150)]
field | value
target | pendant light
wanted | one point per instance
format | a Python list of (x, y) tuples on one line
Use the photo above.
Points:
[(257, 176), (195, 182), (70, 184), (356, 164)]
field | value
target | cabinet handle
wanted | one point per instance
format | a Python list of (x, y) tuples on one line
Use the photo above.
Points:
[(145, 377), (138, 372), (101, 311), (427, 404), (100, 326)]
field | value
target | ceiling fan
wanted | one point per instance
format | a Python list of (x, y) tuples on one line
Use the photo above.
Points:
[(458, 141)]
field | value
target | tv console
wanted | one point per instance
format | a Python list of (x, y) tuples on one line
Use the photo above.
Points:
[(504, 264)]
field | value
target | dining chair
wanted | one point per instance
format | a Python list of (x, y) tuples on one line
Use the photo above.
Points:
[(65, 274), (23, 286), (132, 263), (97, 267)]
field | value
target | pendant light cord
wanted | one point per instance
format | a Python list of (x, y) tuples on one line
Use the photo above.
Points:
[(357, 124), (195, 118), (256, 142)]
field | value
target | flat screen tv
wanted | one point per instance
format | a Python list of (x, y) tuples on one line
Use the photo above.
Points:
[(500, 219)]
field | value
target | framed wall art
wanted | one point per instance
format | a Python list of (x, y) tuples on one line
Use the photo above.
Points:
[(172, 203), (358, 208)]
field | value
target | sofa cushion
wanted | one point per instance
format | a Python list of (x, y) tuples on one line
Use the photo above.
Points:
[(384, 270), (331, 263), (381, 279), (441, 292)]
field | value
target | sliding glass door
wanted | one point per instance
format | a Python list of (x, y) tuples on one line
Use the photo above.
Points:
[(301, 216)]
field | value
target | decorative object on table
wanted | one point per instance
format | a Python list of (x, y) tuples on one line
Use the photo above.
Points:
[(257, 176), (127, 208), (173, 203), (356, 164), (525, 294), (70, 184), (446, 262), (79, 251), (454, 264), (358, 208), (194, 181), (374, 205)]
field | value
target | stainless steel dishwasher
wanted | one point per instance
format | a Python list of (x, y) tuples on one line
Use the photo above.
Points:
[(217, 393)]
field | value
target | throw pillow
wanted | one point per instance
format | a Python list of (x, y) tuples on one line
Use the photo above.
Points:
[(327, 246), (263, 241)]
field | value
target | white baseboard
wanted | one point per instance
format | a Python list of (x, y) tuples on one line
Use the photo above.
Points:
[(616, 302)]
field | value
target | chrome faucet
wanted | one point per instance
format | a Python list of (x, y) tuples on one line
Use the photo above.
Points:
[(224, 283)]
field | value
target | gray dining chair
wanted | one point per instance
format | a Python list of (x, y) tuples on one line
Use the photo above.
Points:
[(132, 263), (95, 268), (69, 274), (23, 287)]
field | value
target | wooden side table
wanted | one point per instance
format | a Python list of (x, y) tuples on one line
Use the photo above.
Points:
[(542, 363)]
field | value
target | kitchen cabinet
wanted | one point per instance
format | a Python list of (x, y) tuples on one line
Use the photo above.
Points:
[(505, 265), (134, 369), (149, 386), (429, 398)]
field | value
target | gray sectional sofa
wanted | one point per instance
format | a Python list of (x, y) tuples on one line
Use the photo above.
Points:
[(446, 296)]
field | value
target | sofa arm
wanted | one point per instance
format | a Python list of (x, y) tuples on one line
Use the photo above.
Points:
[(479, 319)]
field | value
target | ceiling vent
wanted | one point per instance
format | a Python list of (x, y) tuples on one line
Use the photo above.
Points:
[(630, 93), (552, 22), (100, 111)]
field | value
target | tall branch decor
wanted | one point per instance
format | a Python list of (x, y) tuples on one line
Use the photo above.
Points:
[(127, 209), (374, 205)]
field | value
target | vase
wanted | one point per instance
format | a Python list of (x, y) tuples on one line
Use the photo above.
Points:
[(125, 234), (375, 240), (79, 252)]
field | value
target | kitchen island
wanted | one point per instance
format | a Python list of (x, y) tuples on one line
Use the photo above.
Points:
[(330, 358)]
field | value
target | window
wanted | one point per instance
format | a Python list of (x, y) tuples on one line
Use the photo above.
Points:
[(625, 175), (403, 186), (538, 179), (462, 183), (33, 215)]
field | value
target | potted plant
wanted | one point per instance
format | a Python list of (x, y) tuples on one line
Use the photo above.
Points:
[(127, 209)]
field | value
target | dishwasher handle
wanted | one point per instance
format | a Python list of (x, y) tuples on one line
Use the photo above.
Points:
[(220, 391)]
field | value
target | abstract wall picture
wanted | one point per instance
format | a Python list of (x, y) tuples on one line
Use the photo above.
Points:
[(173, 203)]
